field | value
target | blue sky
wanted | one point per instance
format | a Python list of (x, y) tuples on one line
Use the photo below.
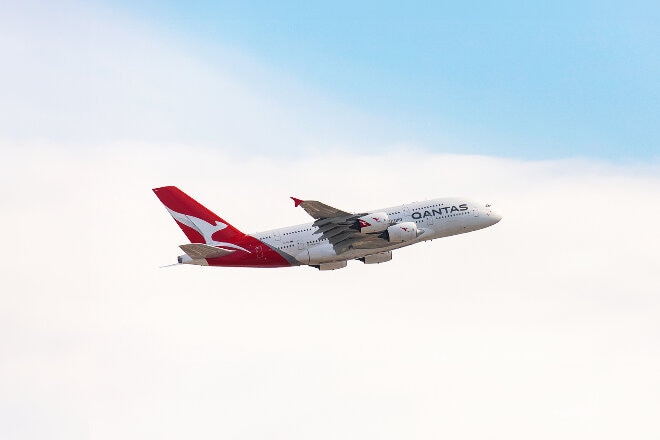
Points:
[(502, 78)]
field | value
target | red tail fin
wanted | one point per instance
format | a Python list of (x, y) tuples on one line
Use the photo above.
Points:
[(198, 223)]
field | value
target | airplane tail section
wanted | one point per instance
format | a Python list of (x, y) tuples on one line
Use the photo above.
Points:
[(198, 223)]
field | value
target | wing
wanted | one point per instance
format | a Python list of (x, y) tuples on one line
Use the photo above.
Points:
[(339, 227), (319, 210)]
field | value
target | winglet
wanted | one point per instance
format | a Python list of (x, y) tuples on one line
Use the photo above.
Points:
[(297, 202)]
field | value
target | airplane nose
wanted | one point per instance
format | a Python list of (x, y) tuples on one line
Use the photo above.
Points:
[(495, 215)]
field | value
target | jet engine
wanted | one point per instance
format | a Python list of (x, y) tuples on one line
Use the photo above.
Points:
[(401, 232), (376, 222), (331, 266), (380, 257), (317, 254)]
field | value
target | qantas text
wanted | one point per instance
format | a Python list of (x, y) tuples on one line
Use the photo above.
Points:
[(439, 211)]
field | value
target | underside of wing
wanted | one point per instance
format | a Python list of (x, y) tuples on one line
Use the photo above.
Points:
[(343, 234), (340, 228), (347, 242)]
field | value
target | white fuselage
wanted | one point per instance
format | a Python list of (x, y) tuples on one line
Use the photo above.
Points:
[(434, 218)]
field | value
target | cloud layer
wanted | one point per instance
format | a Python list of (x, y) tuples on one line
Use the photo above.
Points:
[(544, 325)]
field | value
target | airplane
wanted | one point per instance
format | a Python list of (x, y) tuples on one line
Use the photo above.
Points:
[(327, 243)]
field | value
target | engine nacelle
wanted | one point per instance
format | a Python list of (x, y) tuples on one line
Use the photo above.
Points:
[(332, 266), (317, 254), (376, 222), (380, 257), (401, 232)]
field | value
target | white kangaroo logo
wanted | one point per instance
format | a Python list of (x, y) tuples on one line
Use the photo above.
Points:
[(205, 229)]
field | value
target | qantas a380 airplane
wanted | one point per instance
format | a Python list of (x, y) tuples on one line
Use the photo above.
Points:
[(330, 241)]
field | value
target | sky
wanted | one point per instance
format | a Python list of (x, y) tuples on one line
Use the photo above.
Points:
[(561, 79), (544, 325)]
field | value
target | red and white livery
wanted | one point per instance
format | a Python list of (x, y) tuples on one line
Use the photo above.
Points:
[(330, 241)]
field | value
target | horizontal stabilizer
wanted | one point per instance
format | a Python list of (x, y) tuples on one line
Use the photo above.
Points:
[(197, 251)]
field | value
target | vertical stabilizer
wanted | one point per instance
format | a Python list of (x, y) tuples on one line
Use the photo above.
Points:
[(198, 223)]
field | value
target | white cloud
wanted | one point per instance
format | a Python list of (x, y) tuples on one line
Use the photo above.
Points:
[(544, 325), (88, 75)]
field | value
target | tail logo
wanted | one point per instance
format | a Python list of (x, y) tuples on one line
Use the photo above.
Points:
[(205, 229)]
